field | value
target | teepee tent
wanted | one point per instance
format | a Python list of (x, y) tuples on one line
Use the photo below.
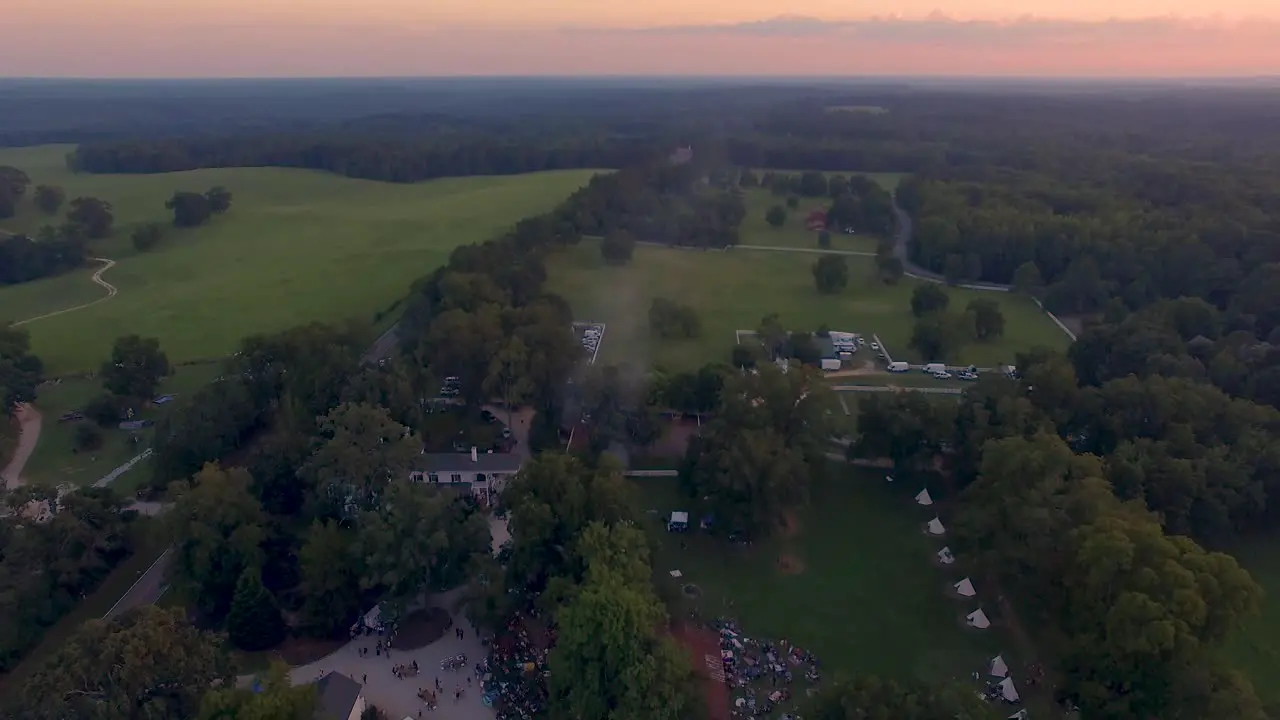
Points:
[(945, 557), (978, 619), (998, 667), (965, 588), (1007, 690), (935, 527), (1020, 715), (922, 498)]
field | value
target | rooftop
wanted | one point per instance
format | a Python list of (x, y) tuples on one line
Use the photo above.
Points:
[(336, 694), (484, 462)]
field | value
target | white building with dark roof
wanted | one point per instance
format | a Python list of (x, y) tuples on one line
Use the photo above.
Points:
[(483, 473)]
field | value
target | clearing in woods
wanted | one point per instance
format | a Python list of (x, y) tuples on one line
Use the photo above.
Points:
[(296, 246), (732, 290)]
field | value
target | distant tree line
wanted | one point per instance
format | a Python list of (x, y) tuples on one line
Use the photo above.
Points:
[(372, 157)]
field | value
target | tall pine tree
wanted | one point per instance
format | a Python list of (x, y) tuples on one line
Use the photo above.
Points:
[(255, 622)]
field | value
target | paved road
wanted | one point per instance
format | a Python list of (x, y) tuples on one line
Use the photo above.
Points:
[(384, 346), (147, 589), (901, 249)]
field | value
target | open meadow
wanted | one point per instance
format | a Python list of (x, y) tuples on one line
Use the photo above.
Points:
[(854, 581), (732, 290), (793, 233), (1255, 648), (296, 246), (56, 460)]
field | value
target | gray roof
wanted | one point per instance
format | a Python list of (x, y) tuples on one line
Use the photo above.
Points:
[(461, 462), (336, 695)]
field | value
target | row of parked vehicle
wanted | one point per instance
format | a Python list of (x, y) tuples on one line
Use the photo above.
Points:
[(591, 336)]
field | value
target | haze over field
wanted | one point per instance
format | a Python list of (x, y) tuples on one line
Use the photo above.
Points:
[(146, 38)]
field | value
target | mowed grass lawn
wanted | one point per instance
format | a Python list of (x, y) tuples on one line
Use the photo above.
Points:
[(296, 246), (1255, 648), (56, 460), (793, 233), (732, 290), (867, 598)]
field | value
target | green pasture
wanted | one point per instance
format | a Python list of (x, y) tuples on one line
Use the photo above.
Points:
[(734, 289), (296, 246), (1255, 648), (56, 459), (793, 233)]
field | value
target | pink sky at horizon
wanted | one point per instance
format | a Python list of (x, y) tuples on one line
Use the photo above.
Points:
[(329, 38)]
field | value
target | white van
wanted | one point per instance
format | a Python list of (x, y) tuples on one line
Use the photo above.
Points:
[(898, 366), (935, 368)]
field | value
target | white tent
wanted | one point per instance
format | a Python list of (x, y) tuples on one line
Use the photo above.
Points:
[(945, 557), (1007, 690), (1020, 715), (923, 498), (998, 667), (935, 527), (676, 574), (978, 619), (965, 588), (888, 478), (679, 521)]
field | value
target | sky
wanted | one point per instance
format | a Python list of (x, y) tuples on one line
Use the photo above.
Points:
[(340, 38)]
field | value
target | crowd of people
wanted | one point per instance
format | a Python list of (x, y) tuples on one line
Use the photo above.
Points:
[(516, 672), (763, 673)]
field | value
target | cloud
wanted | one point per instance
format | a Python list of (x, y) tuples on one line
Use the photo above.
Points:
[(940, 29)]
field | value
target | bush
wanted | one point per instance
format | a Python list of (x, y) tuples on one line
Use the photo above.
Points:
[(104, 409), (88, 437)]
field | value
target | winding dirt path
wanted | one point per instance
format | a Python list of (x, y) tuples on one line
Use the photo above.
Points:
[(29, 420), (107, 264)]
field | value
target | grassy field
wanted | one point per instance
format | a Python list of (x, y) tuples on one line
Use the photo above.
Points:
[(1255, 649), (296, 246), (755, 231), (867, 596), (55, 459), (733, 290)]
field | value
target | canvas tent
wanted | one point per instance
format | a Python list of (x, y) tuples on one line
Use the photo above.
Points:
[(935, 527), (965, 588), (945, 557), (1007, 690), (978, 619), (678, 521), (998, 667), (1020, 715), (888, 478), (923, 498)]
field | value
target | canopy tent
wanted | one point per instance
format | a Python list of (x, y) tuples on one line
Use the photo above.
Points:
[(1020, 715), (945, 557), (978, 619), (1007, 690), (935, 527), (679, 521), (922, 498), (965, 588), (998, 667), (676, 574)]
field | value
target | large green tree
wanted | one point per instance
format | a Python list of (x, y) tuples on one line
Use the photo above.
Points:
[(136, 367), (218, 528), (609, 661), (20, 371), (330, 581), (92, 215), (144, 664), (830, 274), (254, 621), (360, 452)]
